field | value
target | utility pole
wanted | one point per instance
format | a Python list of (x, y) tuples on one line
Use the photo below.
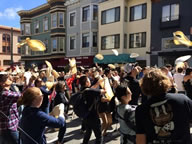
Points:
[(12, 47)]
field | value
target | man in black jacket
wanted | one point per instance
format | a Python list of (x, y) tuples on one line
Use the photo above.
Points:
[(132, 82), (92, 121)]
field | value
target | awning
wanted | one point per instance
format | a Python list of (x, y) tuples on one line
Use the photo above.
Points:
[(110, 59)]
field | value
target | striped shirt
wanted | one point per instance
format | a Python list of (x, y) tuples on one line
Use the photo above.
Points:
[(9, 116)]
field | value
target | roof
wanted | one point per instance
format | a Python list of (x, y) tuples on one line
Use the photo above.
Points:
[(34, 10), (8, 28)]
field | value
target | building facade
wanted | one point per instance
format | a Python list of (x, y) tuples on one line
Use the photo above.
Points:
[(9, 38), (168, 17), (82, 30), (125, 25), (46, 23)]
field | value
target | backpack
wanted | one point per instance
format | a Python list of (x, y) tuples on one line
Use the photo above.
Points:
[(129, 117), (79, 103)]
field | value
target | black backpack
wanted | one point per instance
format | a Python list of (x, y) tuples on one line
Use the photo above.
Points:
[(79, 103)]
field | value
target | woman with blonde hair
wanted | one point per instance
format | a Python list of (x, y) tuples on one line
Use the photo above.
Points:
[(165, 117), (34, 121)]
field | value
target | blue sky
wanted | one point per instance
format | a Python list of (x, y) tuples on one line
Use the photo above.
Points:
[(9, 8)]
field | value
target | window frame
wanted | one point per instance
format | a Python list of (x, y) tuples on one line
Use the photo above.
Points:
[(25, 33), (88, 14), (133, 42), (87, 45), (115, 44), (95, 17), (55, 20), (61, 39), (117, 18), (58, 17), (95, 43), (52, 46), (126, 14), (143, 13), (125, 41), (170, 13), (6, 43), (70, 42), (36, 30), (74, 22), (46, 19)]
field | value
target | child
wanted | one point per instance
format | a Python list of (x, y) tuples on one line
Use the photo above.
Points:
[(126, 115)]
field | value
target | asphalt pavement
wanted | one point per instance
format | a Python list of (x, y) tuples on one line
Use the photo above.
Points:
[(75, 136)]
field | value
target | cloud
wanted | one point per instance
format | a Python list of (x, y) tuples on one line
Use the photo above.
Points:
[(10, 13)]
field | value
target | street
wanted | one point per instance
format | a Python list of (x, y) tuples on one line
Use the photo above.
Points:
[(74, 136)]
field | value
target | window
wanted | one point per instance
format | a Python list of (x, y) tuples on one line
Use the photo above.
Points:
[(6, 62), (95, 12), (27, 50), (170, 12), (22, 29), (85, 40), (36, 27), (137, 40), (61, 19), (4, 49), (138, 12), (27, 29), (72, 19), (45, 24), (46, 42), (94, 39), (23, 50), (125, 41), (111, 15), (168, 43), (61, 44), (6, 43), (19, 50), (54, 44), (125, 14), (8, 38), (72, 42), (110, 42), (54, 20), (86, 13)]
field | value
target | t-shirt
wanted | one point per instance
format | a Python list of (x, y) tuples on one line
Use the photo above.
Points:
[(178, 78), (165, 119), (27, 75), (133, 84)]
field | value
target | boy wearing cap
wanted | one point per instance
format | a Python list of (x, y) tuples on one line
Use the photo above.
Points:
[(132, 82), (9, 117)]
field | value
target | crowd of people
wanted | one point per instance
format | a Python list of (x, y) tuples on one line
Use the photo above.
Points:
[(152, 105)]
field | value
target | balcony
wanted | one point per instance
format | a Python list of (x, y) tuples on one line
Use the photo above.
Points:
[(170, 22)]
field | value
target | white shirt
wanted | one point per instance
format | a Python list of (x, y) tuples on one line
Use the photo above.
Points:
[(178, 78)]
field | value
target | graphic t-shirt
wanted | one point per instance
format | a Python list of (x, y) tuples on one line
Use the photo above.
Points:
[(165, 119)]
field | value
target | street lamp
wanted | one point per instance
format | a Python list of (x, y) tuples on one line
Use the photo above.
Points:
[(12, 47)]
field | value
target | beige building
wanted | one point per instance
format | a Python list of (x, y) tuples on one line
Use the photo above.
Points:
[(5, 46), (125, 25)]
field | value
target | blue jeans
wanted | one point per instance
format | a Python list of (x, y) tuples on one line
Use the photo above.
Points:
[(9, 137)]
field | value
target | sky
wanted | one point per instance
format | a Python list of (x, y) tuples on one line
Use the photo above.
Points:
[(9, 8)]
